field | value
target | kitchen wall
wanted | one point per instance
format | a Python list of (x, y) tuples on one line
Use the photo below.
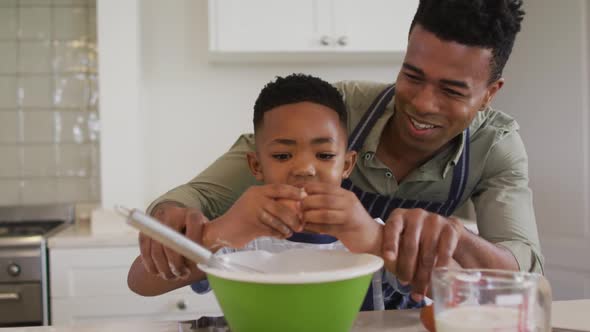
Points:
[(48, 102), (547, 90), (195, 110)]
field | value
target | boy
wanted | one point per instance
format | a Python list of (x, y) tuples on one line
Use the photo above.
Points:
[(301, 147)]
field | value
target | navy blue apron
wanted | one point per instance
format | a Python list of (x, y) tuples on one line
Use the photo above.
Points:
[(380, 206)]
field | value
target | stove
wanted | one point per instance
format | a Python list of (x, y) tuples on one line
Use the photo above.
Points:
[(24, 267)]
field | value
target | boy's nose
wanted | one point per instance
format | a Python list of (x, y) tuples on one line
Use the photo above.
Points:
[(304, 169)]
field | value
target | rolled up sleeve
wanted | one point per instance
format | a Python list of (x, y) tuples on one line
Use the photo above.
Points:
[(215, 189), (504, 204)]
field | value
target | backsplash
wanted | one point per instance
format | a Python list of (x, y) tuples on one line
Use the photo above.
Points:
[(49, 121)]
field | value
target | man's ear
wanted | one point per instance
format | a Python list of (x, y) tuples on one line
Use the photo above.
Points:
[(491, 92), (255, 166), (349, 162)]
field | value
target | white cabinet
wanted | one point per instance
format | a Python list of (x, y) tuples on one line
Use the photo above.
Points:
[(309, 29), (90, 284)]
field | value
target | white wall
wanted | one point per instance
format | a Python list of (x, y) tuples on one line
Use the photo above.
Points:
[(195, 110), (547, 91), (191, 111)]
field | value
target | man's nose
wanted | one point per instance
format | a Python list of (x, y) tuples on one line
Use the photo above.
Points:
[(424, 101)]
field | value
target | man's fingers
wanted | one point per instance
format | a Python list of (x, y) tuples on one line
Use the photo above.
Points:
[(160, 261), (447, 244), (427, 254), (409, 244), (391, 235), (176, 263), (145, 250)]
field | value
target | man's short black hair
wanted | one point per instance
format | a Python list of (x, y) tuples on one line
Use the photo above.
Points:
[(297, 88), (491, 24)]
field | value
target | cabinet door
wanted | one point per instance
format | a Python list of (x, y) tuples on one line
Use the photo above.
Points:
[(266, 25), (373, 25), (90, 284)]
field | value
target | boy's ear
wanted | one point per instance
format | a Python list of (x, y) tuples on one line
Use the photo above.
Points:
[(349, 162), (254, 165)]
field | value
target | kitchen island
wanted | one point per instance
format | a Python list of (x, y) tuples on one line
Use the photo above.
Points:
[(566, 316), (391, 320)]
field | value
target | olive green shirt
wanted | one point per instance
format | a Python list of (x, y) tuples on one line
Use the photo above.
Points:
[(497, 184)]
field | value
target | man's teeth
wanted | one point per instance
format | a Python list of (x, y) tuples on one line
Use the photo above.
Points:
[(421, 125)]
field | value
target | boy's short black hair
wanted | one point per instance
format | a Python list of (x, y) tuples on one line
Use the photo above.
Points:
[(491, 24), (297, 88)]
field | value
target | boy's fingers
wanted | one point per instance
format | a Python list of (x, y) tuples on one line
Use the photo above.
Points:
[(324, 217), (314, 188), (320, 228), (284, 214), (273, 223), (278, 191), (323, 201)]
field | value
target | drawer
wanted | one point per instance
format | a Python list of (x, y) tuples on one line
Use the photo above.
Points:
[(20, 303), (171, 306), (92, 271)]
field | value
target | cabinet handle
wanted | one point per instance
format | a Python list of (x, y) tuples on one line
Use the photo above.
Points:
[(343, 41), (181, 304), (325, 40), (9, 296)]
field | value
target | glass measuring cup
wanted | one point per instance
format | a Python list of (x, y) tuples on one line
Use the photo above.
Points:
[(490, 300)]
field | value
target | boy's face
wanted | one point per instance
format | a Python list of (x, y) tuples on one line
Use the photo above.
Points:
[(301, 143)]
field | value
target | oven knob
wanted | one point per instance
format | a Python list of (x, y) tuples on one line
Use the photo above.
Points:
[(13, 270)]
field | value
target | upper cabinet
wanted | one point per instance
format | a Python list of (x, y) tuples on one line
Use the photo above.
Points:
[(312, 30)]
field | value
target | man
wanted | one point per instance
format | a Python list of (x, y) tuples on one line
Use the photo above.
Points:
[(426, 145)]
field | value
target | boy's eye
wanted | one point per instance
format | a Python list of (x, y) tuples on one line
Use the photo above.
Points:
[(281, 156), (326, 156)]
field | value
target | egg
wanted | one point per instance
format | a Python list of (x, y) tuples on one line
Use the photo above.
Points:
[(427, 318)]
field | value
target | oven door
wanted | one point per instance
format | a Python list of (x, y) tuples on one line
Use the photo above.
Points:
[(21, 304)]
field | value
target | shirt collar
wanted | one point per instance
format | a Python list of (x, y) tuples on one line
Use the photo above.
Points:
[(444, 161)]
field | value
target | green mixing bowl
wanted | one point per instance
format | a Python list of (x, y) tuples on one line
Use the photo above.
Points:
[(302, 290)]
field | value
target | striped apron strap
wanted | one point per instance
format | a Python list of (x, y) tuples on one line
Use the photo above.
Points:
[(362, 129)]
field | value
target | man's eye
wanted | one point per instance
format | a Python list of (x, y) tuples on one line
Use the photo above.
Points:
[(326, 156), (453, 93), (281, 156), (413, 77)]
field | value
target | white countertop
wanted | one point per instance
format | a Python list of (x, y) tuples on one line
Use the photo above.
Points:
[(566, 314), (82, 235)]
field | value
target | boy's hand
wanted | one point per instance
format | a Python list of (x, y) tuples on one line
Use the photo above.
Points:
[(329, 209), (258, 212)]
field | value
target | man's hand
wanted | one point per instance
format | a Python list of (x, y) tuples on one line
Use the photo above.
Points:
[(329, 209), (258, 212), (165, 262), (415, 241)]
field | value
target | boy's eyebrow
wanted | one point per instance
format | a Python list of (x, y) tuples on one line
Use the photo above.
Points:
[(322, 140), (315, 141)]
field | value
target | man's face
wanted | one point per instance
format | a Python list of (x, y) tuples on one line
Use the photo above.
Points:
[(301, 143), (439, 90)]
